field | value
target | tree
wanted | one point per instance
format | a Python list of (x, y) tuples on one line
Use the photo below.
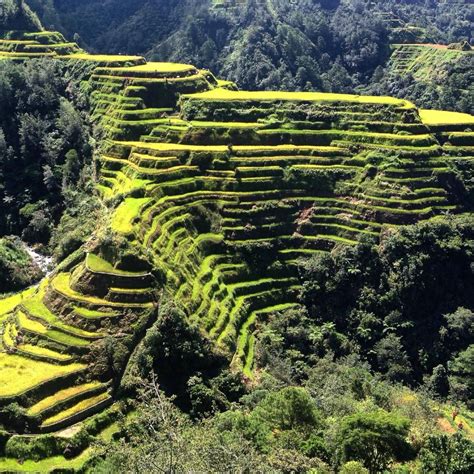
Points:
[(289, 409), (392, 359), (459, 328), (161, 439), (461, 376), (438, 382), (447, 455), (172, 342), (374, 438), (353, 467)]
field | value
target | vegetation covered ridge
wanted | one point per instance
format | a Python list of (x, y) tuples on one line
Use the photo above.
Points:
[(214, 196)]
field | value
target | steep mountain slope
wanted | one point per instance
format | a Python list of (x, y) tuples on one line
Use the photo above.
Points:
[(214, 194), (332, 46), (117, 26), (438, 75), (17, 15)]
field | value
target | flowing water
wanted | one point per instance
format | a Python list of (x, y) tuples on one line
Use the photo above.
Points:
[(43, 261)]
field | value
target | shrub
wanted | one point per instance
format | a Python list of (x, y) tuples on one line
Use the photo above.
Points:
[(374, 438), (17, 269)]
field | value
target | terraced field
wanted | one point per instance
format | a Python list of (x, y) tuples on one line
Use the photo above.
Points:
[(223, 192), (424, 61)]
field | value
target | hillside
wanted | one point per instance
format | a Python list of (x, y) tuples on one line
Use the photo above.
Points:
[(329, 46), (430, 73), (17, 15), (218, 200)]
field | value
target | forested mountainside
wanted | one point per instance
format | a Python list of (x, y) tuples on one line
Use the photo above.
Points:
[(15, 15), (245, 281), (331, 45)]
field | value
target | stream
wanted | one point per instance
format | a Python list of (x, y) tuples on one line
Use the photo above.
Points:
[(44, 262)]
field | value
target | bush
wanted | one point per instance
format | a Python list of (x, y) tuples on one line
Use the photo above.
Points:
[(375, 439), (17, 269)]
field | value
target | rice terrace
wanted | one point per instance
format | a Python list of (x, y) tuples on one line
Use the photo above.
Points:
[(215, 199)]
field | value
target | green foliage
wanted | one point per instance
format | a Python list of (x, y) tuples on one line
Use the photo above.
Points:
[(44, 145), (461, 370), (438, 383), (382, 297), (447, 454), (172, 343), (330, 46), (375, 438), (17, 269), (353, 467), (210, 228), (83, 214), (450, 88), (17, 15), (289, 409), (161, 438)]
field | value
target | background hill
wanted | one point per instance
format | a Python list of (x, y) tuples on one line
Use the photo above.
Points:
[(16, 15), (330, 45)]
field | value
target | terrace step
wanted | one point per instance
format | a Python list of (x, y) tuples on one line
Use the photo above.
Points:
[(37, 377), (36, 310), (254, 301), (12, 342), (65, 398), (130, 295), (112, 276), (94, 315), (61, 286), (76, 413), (244, 353), (35, 328)]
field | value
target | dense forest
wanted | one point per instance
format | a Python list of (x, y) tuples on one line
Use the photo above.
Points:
[(370, 371), (45, 157)]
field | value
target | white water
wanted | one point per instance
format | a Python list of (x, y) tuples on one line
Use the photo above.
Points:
[(43, 261)]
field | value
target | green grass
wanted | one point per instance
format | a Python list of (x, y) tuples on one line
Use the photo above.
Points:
[(151, 67), (423, 61), (98, 265), (126, 213), (29, 349), (170, 147), (19, 374), (8, 304), (92, 314), (10, 332), (103, 58), (45, 465)]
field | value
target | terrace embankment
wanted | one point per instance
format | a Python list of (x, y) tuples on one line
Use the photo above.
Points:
[(217, 194), (426, 62)]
